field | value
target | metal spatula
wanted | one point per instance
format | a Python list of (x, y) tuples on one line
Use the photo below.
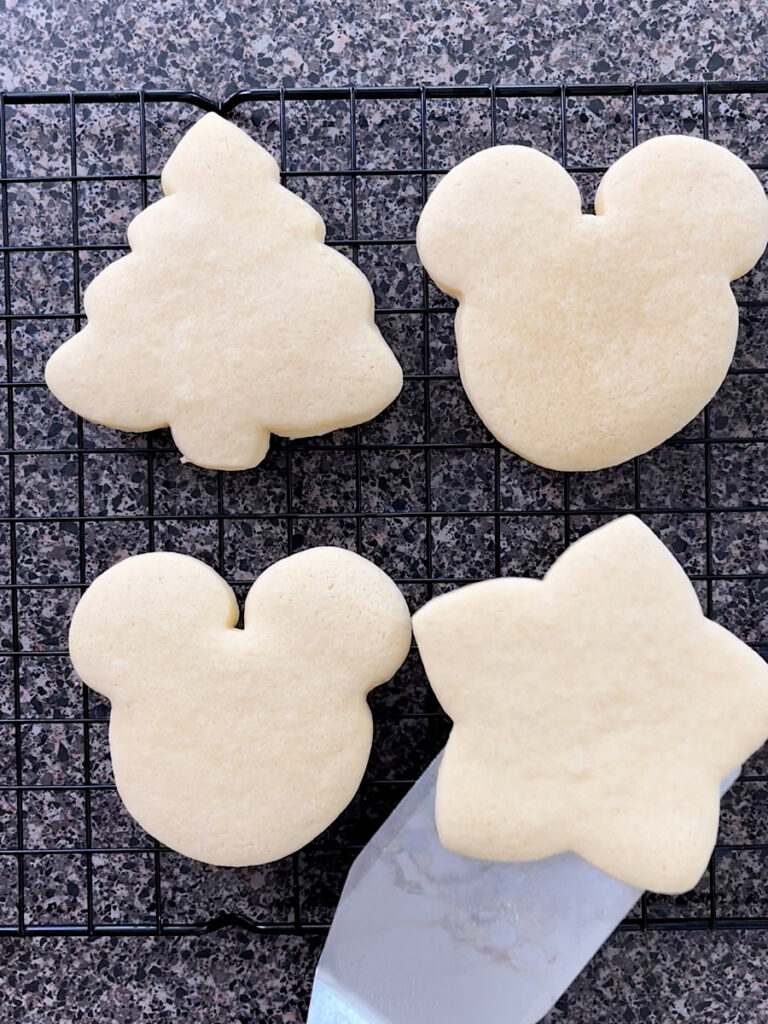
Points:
[(423, 936)]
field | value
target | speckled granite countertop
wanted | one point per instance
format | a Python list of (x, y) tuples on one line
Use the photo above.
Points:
[(219, 47), (215, 48)]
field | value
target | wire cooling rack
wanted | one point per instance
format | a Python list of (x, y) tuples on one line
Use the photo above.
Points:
[(423, 490)]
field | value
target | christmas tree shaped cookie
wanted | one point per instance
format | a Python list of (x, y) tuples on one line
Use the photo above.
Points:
[(584, 340), (238, 746), (230, 318), (596, 710)]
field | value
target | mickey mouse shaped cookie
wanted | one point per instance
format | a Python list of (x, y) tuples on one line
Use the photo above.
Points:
[(596, 710), (230, 318), (238, 746), (585, 340)]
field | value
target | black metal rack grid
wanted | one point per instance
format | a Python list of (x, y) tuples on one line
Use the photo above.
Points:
[(424, 490)]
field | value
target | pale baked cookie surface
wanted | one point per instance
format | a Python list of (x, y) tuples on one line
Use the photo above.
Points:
[(230, 318), (584, 340), (238, 746), (596, 710)]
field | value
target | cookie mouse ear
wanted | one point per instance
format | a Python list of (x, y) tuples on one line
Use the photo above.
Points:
[(146, 612), (335, 610), (490, 208), (692, 196), (216, 154)]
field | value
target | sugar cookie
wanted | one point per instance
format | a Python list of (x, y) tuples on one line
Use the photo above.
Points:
[(595, 711), (230, 318), (238, 746), (586, 340)]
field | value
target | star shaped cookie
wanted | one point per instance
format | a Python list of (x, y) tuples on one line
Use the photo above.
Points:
[(596, 710)]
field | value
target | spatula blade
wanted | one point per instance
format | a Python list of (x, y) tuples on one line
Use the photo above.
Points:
[(422, 935)]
